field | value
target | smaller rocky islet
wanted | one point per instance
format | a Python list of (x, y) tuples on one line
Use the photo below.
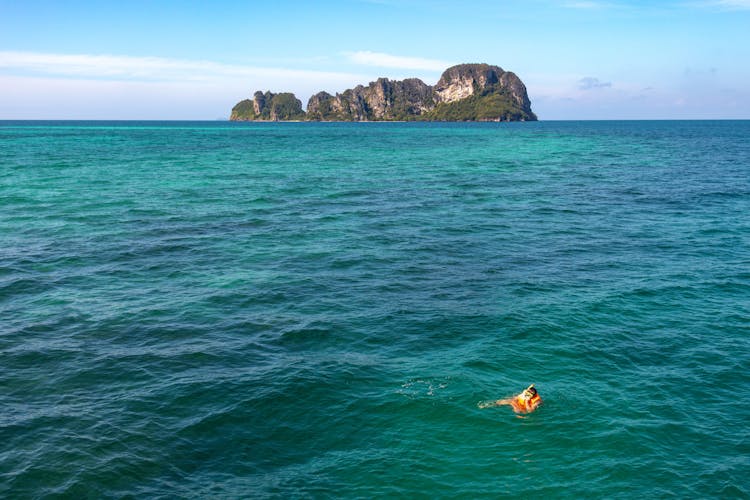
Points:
[(466, 92)]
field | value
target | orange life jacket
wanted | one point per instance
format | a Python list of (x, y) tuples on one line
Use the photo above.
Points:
[(530, 404)]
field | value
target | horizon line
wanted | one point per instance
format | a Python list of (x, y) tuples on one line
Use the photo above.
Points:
[(215, 120)]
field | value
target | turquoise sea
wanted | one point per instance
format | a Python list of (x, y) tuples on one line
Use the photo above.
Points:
[(223, 310)]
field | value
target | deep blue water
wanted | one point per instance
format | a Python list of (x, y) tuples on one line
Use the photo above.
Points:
[(211, 309)]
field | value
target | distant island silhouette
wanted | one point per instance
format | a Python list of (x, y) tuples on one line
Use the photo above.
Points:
[(466, 92)]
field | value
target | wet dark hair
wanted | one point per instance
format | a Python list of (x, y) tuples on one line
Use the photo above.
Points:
[(532, 390)]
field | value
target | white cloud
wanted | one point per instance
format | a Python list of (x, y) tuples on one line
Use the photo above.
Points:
[(85, 86), (592, 5), (583, 5), (29, 97), (724, 4), (733, 4), (381, 60), (590, 83), (149, 68)]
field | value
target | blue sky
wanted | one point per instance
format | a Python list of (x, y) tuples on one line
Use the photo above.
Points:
[(580, 59)]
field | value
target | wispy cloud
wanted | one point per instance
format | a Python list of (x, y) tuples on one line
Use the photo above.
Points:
[(734, 4), (381, 60), (729, 4), (147, 68), (590, 83), (584, 5), (592, 5), (700, 72), (89, 86)]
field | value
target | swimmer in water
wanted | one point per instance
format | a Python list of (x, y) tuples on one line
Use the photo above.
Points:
[(526, 402)]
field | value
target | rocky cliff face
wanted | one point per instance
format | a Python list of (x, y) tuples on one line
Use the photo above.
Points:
[(481, 92), (467, 92), (383, 99), (268, 107), (464, 80), (460, 82)]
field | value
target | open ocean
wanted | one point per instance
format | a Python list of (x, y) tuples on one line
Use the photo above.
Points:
[(297, 310)]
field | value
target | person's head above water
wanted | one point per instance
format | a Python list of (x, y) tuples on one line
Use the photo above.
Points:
[(530, 392)]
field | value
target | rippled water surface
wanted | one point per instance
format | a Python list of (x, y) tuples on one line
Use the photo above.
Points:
[(314, 310)]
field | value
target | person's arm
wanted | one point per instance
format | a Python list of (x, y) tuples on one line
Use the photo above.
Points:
[(499, 402)]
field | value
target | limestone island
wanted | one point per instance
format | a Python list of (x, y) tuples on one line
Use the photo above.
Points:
[(467, 92)]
